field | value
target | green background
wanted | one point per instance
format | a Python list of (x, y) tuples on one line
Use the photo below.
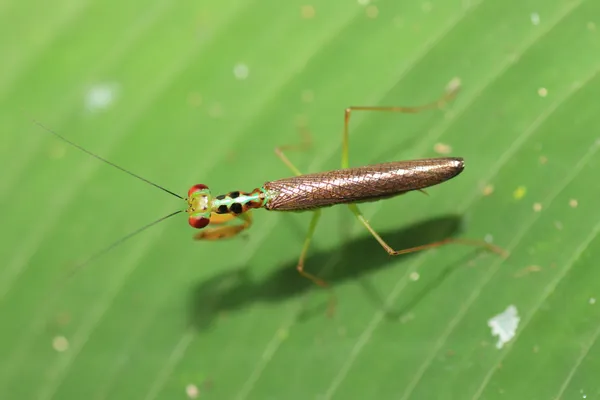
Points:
[(162, 311)]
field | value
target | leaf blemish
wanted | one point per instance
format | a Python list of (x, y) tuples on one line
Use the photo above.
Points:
[(519, 192), (504, 325), (573, 203)]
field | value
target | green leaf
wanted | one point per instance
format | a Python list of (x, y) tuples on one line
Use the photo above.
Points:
[(197, 92)]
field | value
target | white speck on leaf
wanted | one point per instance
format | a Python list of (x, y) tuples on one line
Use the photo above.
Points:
[(573, 203), (488, 190), (241, 71), (192, 391), (442, 148), (535, 18), (60, 344), (454, 84), (504, 325), (101, 96)]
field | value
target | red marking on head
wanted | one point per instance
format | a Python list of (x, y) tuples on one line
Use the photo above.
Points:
[(198, 222), (196, 188)]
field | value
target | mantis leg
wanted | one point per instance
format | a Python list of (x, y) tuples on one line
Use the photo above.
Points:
[(448, 95), (392, 252), (223, 232), (304, 145), (279, 151), (309, 235)]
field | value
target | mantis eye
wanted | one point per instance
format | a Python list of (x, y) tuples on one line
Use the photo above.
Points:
[(198, 222), (196, 188)]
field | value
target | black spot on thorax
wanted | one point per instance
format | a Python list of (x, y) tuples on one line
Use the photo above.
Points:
[(236, 208)]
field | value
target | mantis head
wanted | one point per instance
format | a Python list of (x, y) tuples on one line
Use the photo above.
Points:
[(199, 206)]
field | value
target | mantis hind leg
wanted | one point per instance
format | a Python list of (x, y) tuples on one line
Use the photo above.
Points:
[(228, 231), (392, 252), (300, 267), (279, 151), (448, 95)]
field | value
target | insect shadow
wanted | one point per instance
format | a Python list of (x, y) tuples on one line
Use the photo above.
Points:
[(233, 290)]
